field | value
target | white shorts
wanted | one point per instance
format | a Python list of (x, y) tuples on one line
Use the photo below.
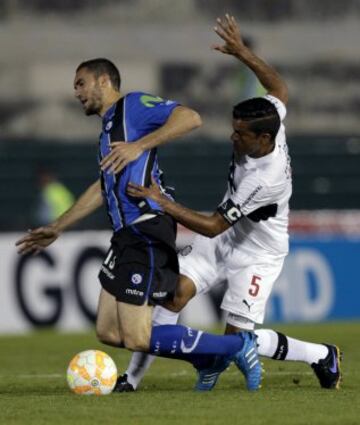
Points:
[(250, 278)]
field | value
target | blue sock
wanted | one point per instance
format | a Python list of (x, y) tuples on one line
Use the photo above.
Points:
[(196, 347)]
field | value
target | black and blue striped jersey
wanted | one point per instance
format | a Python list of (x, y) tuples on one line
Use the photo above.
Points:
[(132, 117)]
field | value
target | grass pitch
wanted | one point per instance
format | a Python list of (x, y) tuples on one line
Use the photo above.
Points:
[(33, 387)]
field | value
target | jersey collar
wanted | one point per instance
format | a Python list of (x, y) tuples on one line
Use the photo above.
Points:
[(258, 162), (109, 113)]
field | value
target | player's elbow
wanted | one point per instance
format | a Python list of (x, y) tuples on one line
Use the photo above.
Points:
[(212, 231), (193, 118), (215, 225), (196, 119)]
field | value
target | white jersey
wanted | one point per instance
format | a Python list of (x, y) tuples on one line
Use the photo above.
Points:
[(257, 182), (249, 255)]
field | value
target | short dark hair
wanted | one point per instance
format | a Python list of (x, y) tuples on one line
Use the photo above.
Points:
[(100, 66), (261, 115)]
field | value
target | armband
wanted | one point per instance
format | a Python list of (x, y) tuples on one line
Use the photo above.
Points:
[(229, 211)]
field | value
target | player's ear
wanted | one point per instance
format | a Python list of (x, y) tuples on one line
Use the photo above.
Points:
[(104, 81), (265, 138)]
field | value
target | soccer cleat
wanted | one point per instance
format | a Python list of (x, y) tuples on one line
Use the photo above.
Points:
[(247, 360), (122, 385), (328, 370), (207, 378)]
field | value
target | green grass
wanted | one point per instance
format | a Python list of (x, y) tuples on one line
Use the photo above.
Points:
[(33, 388)]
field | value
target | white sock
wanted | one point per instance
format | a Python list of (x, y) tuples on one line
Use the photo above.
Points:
[(280, 347), (140, 362)]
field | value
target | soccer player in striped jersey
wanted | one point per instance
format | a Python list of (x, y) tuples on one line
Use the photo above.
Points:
[(140, 269)]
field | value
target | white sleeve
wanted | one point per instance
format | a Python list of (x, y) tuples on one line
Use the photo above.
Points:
[(253, 193), (250, 195), (279, 105)]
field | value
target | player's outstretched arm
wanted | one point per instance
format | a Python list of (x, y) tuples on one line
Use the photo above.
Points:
[(206, 225), (228, 29), (180, 122), (38, 239)]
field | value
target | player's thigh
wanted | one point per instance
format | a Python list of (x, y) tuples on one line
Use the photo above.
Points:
[(202, 263), (249, 290), (135, 325), (107, 321)]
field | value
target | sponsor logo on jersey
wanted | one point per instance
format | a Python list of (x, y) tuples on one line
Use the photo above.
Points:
[(252, 195), (150, 101)]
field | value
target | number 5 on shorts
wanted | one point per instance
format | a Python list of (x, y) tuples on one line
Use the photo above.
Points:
[(254, 286)]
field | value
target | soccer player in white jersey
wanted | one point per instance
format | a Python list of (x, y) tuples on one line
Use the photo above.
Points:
[(248, 231)]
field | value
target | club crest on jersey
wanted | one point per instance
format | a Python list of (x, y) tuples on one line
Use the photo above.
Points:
[(136, 278), (108, 126), (185, 251)]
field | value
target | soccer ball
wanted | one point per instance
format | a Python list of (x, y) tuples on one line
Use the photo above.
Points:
[(92, 372)]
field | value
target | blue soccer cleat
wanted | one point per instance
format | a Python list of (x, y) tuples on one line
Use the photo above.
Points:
[(247, 360), (207, 378)]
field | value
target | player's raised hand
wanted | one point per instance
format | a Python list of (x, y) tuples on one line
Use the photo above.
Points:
[(121, 154), (153, 192), (228, 29), (38, 239)]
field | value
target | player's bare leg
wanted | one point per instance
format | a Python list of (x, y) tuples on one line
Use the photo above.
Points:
[(135, 325), (140, 362), (107, 322)]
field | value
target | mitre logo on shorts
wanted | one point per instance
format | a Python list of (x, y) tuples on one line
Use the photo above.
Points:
[(160, 294), (136, 278), (134, 292)]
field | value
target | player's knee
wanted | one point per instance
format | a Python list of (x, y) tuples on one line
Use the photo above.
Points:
[(137, 341), (178, 303), (108, 336), (185, 291)]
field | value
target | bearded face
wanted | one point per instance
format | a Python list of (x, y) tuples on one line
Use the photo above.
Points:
[(88, 91)]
